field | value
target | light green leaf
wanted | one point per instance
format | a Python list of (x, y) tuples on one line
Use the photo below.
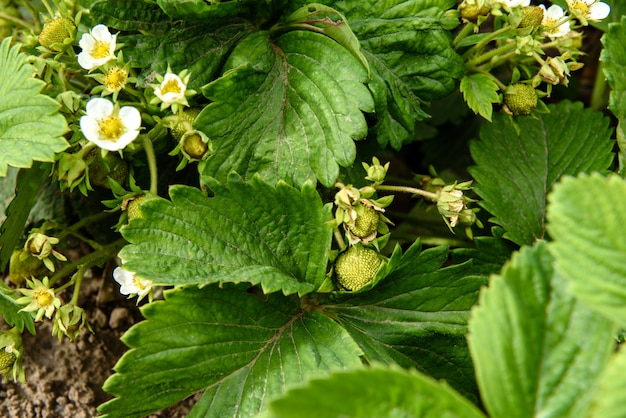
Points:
[(613, 58), (588, 226), (249, 232), (31, 129), (416, 316), (609, 399), (480, 92), (241, 349), (515, 171), (286, 109), (409, 47), (10, 311), (536, 349), (200, 47), (373, 392)]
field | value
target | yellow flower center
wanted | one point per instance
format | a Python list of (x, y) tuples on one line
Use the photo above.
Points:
[(100, 49), (43, 297), (581, 7), (137, 282), (170, 86), (111, 128), (115, 79)]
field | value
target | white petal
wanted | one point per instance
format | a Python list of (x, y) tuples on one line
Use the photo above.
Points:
[(86, 61), (126, 138), (108, 145), (101, 33), (86, 42), (599, 11), (131, 118), (554, 12), (99, 108), (89, 127)]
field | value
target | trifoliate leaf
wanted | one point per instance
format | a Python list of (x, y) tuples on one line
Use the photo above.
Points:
[(240, 349), (537, 349), (588, 226), (374, 392), (31, 128), (614, 59), (288, 109), (480, 92), (199, 47), (409, 47), (517, 165), (248, 232), (416, 316)]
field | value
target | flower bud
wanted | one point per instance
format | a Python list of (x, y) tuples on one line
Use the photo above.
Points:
[(57, 34), (69, 321), (520, 99), (376, 172)]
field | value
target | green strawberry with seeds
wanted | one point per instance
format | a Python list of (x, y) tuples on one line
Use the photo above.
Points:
[(357, 267)]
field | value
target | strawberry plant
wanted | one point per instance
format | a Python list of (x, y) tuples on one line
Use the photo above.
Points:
[(343, 208)]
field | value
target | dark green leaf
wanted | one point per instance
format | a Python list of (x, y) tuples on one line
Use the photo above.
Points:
[(9, 310), (515, 171), (416, 316), (200, 47), (200, 10), (536, 349), (289, 109), (589, 232), (374, 392), (242, 350), (408, 45), (488, 256), (249, 232), (31, 127), (480, 92)]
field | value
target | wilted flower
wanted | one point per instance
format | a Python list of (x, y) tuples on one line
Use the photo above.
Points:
[(588, 9), (40, 246), (109, 127), (514, 3), (39, 298), (552, 17), (98, 47), (132, 285)]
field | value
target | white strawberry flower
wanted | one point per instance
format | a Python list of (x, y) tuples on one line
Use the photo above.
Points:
[(98, 47), (130, 284), (551, 18), (108, 127), (172, 90), (589, 9)]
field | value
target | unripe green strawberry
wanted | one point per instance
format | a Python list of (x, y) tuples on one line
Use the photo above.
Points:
[(110, 166), (185, 123), (520, 99), (366, 223), (23, 266), (533, 16), (472, 12), (133, 210), (6, 361), (55, 32), (357, 267)]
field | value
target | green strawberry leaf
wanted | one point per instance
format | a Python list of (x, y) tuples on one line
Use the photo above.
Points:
[(489, 254), (589, 232), (200, 10), (10, 311), (248, 232), (519, 160), (198, 47), (416, 316), (536, 348), (613, 58), (288, 109), (31, 127), (382, 393), (609, 399), (480, 92), (408, 45), (240, 349)]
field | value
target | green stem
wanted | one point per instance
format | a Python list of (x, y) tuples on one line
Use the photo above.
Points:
[(467, 29), (147, 145), (494, 78), (339, 239), (483, 43), (412, 190), (17, 21), (89, 260), (598, 97), (82, 223), (27, 4), (80, 274), (491, 54)]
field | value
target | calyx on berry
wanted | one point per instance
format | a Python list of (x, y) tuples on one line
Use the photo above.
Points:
[(520, 99), (57, 34)]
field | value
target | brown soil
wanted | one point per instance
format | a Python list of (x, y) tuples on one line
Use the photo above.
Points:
[(64, 378)]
